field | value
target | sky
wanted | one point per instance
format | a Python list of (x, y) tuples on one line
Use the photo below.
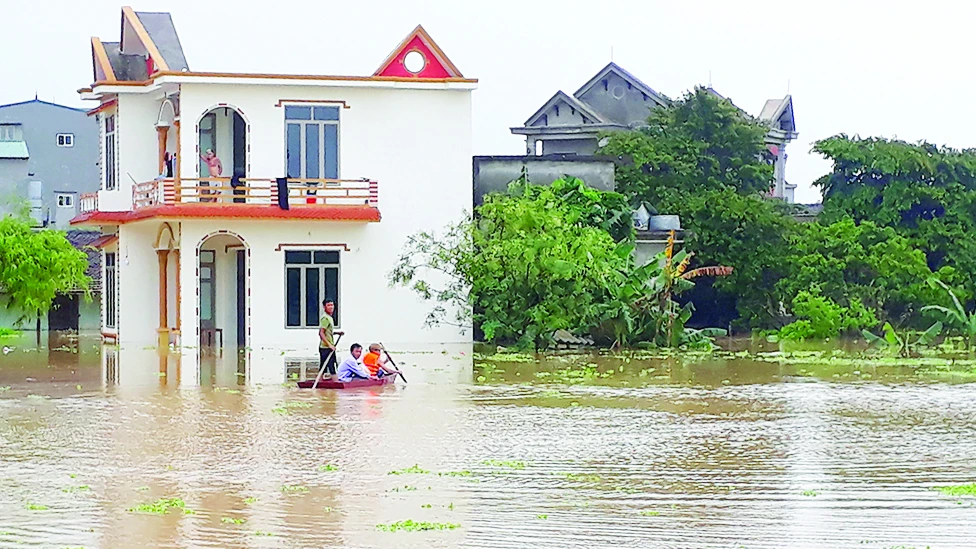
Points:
[(886, 68)]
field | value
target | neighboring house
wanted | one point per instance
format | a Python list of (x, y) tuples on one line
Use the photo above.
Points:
[(615, 100), (244, 258), (48, 157)]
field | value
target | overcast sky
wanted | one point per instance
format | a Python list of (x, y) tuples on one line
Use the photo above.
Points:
[(878, 67)]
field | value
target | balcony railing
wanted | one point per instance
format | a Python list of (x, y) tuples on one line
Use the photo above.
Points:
[(251, 191), (88, 202)]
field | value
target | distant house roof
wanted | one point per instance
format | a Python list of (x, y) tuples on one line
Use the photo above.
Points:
[(778, 114), (562, 97), (40, 102), (14, 150), (630, 78), (85, 241)]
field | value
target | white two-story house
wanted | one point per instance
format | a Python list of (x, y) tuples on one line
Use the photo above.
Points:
[(321, 178)]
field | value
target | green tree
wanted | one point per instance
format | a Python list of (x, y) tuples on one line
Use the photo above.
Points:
[(535, 260), (35, 266), (705, 160), (925, 193), (700, 142), (862, 262)]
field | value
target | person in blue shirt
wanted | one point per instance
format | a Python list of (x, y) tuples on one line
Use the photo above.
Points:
[(350, 368)]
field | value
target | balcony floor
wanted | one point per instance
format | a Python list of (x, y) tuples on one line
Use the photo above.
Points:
[(232, 211)]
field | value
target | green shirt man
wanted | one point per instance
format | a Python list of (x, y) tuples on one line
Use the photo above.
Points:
[(326, 342)]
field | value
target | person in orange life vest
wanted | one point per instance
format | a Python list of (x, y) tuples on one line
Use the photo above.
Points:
[(375, 362)]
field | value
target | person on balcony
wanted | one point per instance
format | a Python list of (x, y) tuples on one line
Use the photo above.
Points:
[(214, 167)]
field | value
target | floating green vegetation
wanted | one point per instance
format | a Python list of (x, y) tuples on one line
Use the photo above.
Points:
[(280, 410), (37, 397), (294, 489), (405, 488), (426, 506), (505, 357), (232, 520), (327, 509), (4, 388), (504, 463), (810, 493), (142, 489), (72, 489), (8, 332), (159, 507), (581, 477), (958, 490), (410, 525), (464, 473), (482, 379), (542, 516), (262, 533), (328, 468), (250, 500), (414, 469), (297, 404), (36, 507), (647, 513)]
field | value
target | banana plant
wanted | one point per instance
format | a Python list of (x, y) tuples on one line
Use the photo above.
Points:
[(957, 317), (902, 343)]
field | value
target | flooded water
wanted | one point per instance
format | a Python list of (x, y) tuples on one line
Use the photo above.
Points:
[(729, 450)]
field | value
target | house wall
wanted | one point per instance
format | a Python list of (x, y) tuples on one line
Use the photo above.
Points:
[(415, 143), (492, 174), (137, 148), (65, 169), (584, 147)]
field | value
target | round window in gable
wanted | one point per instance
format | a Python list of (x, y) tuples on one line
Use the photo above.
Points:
[(618, 92), (414, 62)]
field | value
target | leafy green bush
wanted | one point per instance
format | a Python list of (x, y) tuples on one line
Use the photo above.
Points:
[(820, 317)]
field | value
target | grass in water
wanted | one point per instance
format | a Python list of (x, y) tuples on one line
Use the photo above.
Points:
[(71, 489), (504, 463), (581, 477), (160, 506), (294, 489), (410, 525), (405, 488), (36, 507), (328, 468), (958, 490), (542, 516), (810, 493), (8, 332), (650, 513), (232, 520), (250, 500), (262, 533), (412, 470), (4, 388), (464, 473)]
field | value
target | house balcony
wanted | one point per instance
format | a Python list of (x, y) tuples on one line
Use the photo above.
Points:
[(243, 198)]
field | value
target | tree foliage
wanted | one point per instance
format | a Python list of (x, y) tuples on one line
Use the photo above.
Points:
[(701, 142), (35, 266), (925, 193)]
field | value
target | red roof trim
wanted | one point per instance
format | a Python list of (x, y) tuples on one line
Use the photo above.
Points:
[(232, 211)]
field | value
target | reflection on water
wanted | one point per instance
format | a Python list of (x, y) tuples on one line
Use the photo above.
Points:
[(724, 451)]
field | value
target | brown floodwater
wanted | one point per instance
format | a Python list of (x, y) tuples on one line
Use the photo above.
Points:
[(571, 451)]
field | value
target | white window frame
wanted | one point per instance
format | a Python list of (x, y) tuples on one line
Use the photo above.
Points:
[(321, 123), (305, 323), (110, 287), (66, 140), (111, 156), (11, 132)]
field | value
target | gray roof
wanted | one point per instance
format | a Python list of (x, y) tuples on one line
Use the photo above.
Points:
[(633, 80), (159, 26), (560, 95), (130, 68), (82, 240)]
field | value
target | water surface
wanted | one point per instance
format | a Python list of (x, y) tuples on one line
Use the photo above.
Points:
[(567, 452)]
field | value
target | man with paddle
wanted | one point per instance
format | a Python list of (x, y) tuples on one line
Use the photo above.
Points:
[(327, 350)]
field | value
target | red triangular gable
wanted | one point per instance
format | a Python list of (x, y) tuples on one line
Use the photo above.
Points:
[(436, 64)]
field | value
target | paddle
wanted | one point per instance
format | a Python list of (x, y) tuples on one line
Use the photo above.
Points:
[(392, 362), (335, 345)]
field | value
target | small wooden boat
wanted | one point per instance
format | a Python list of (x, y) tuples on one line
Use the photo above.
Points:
[(329, 384)]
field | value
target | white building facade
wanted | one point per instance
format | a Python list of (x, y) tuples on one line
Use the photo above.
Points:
[(323, 178)]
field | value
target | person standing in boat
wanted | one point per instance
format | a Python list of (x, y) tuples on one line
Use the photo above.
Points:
[(327, 331), (351, 369)]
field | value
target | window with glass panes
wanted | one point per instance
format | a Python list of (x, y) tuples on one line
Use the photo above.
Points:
[(111, 303), (110, 159), (310, 277), (312, 142)]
